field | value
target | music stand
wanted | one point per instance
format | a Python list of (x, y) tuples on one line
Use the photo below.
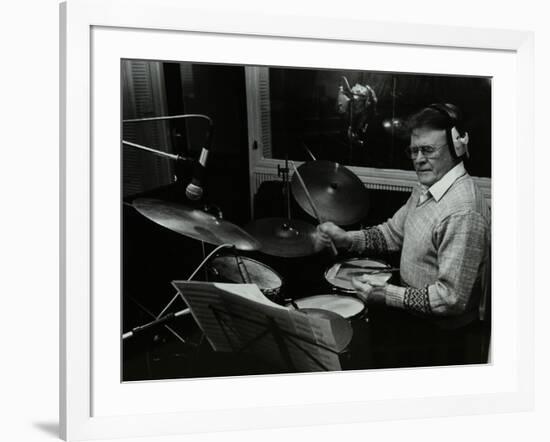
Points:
[(238, 318)]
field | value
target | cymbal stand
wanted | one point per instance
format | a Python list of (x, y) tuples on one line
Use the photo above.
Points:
[(214, 211), (284, 172)]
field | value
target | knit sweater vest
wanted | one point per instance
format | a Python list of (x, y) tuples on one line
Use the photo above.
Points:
[(444, 249)]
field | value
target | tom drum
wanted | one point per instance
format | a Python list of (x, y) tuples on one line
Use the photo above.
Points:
[(241, 269)]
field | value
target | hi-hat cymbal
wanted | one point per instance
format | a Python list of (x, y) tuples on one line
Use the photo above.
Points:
[(195, 223), (338, 194), (285, 238)]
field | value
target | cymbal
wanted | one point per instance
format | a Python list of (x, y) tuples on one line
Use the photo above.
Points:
[(285, 238), (195, 223), (338, 194)]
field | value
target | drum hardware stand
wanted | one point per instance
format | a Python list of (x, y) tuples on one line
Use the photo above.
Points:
[(209, 208), (284, 172)]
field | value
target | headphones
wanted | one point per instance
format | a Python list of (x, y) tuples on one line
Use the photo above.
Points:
[(456, 135)]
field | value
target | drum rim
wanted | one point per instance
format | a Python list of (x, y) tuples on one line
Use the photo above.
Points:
[(255, 261), (380, 261)]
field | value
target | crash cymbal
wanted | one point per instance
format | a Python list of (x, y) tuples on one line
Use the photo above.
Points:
[(285, 238), (195, 223), (338, 194)]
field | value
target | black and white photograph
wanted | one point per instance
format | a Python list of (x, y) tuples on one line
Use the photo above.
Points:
[(277, 220), (282, 220)]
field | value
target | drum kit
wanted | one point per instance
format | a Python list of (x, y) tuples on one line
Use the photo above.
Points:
[(325, 190)]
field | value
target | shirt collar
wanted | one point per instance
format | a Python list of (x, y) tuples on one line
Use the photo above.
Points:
[(438, 189)]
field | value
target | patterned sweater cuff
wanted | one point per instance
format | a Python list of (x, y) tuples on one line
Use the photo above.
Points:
[(371, 239), (395, 296), (411, 299), (417, 300), (357, 241)]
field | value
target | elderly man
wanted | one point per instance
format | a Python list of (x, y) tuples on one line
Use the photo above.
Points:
[(442, 232)]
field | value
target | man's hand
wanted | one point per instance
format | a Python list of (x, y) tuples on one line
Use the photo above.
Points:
[(329, 231), (369, 293)]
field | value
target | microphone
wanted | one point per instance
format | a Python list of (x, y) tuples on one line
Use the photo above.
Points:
[(194, 189)]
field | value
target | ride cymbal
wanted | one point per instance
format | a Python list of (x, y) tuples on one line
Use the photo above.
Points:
[(338, 194), (195, 223), (285, 238)]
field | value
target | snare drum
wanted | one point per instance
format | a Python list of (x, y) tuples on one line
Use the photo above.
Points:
[(250, 271), (340, 274)]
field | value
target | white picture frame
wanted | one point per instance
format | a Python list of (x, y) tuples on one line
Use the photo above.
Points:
[(82, 376)]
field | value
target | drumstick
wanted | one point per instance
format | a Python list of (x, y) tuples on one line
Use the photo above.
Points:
[(380, 269), (314, 208), (309, 151)]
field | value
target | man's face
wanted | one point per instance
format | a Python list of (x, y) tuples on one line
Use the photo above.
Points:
[(431, 170)]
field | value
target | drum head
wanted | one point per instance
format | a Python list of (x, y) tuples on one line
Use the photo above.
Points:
[(264, 277), (341, 273), (345, 306)]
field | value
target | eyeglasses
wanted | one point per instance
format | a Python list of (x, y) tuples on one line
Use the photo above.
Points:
[(427, 151)]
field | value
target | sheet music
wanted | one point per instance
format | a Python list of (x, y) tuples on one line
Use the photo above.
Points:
[(248, 291), (253, 322), (204, 300), (323, 337)]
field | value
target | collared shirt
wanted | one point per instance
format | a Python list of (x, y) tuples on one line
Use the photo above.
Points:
[(438, 189), (444, 245)]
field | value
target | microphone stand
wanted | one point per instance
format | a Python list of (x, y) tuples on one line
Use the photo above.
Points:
[(166, 118), (171, 156), (159, 319), (164, 319)]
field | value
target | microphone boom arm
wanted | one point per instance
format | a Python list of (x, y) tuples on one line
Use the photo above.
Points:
[(160, 153), (178, 117)]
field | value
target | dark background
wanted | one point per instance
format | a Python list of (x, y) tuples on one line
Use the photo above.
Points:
[(304, 109)]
